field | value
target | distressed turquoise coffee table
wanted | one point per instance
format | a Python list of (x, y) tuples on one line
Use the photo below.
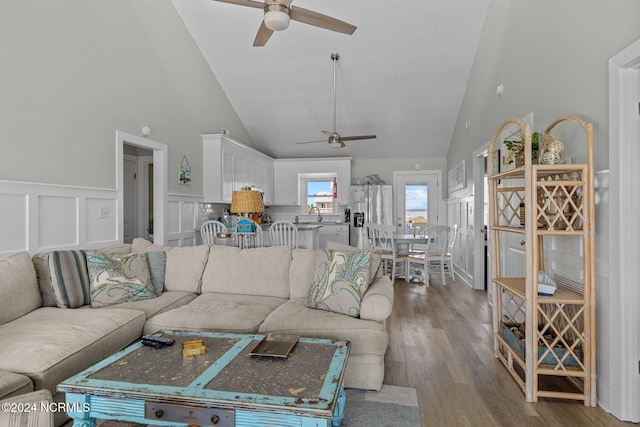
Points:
[(225, 386)]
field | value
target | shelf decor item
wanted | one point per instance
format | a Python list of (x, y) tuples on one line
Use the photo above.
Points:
[(544, 324)]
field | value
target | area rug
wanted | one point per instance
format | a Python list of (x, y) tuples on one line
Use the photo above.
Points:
[(390, 407)]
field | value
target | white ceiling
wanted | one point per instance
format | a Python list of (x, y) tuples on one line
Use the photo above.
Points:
[(401, 75)]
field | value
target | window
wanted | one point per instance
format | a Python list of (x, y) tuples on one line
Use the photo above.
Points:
[(416, 204), (319, 194)]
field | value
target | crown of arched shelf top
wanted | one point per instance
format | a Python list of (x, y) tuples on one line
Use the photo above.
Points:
[(586, 126), (496, 141)]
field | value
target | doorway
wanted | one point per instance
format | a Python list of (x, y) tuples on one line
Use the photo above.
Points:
[(159, 185), (416, 197), (481, 264)]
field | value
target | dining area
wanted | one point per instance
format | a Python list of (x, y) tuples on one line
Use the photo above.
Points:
[(416, 254)]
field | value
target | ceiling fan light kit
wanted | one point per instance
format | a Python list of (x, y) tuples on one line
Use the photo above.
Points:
[(276, 17), (278, 14)]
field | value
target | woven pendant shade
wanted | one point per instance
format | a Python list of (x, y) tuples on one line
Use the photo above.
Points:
[(246, 201)]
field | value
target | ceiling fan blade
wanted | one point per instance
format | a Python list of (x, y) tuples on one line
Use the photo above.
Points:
[(311, 142), (319, 20), (327, 133), (354, 138), (249, 3), (263, 35)]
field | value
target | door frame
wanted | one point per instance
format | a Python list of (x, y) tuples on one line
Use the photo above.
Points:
[(136, 190), (439, 201), (143, 194), (480, 274), (160, 183), (624, 238)]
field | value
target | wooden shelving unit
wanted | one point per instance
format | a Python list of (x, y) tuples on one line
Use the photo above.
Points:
[(556, 357)]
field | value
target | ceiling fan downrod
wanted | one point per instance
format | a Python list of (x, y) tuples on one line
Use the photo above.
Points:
[(334, 57)]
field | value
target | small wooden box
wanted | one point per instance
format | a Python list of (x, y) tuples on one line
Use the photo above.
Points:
[(193, 348)]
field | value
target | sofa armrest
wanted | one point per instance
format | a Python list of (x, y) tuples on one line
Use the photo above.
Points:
[(378, 300)]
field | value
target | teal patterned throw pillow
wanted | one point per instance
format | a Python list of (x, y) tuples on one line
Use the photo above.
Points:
[(340, 279), (118, 278)]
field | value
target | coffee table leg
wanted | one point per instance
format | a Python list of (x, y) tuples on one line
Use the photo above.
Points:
[(338, 413), (79, 409)]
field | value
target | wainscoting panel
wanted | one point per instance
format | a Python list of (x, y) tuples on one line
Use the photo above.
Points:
[(13, 223), (38, 217), (182, 219)]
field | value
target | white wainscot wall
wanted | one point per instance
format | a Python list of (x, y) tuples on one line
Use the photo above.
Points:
[(40, 217)]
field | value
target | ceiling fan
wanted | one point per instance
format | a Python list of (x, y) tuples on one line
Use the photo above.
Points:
[(278, 13), (334, 138)]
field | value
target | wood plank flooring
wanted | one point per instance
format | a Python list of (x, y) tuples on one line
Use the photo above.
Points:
[(440, 343)]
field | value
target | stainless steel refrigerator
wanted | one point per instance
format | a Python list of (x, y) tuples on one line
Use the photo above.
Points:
[(369, 203)]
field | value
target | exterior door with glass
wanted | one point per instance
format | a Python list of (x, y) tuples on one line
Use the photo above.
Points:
[(417, 198)]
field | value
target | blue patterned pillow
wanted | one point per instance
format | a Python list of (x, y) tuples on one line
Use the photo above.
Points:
[(340, 279), (118, 278), (157, 261)]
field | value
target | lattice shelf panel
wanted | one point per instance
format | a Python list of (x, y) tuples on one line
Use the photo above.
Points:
[(561, 339), (560, 202), (509, 200)]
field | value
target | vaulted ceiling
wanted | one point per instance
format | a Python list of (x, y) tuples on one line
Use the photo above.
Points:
[(400, 76)]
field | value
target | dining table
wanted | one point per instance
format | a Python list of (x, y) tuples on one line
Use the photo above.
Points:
[(405, 240)]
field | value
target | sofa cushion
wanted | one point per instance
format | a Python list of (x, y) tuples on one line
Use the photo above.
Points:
[(294, 318), (216, 312), (339, 281), (50, 345), (256, 271), (140, 245), (116, 250), (157, 261), (41, 265), (12, 384), (303, 263), (184, 268), (165, 302), (118, 278), (19, 291), (69, 278)]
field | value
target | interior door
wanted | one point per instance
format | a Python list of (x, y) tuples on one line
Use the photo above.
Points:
[(417, 195), (130, 196)]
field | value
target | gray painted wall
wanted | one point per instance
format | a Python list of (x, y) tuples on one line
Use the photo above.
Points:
[(73, 72), (552, 58)]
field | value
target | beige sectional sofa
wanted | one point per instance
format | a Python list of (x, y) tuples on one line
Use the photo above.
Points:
[(218, 288)]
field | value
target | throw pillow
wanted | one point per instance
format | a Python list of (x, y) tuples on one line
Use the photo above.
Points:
[(117, 279), (340, 279), (375, 260), (69, 278), (157, 261)]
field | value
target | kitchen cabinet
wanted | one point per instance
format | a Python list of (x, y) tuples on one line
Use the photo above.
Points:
[(338, 233), (229, 165), (289, 172), (546, 339)]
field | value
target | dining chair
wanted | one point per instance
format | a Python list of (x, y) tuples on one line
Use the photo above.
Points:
[(417, 261), (419, 229), (443, 243), (283, 233), (209, 231), (382, 241)]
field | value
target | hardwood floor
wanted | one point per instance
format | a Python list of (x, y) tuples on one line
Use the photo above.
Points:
[(440, 343)]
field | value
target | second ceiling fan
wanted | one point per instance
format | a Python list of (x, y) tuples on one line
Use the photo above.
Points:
[(278, 13), (334, 138)]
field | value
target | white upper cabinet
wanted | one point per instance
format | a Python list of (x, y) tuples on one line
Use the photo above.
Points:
[(229, 165)]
